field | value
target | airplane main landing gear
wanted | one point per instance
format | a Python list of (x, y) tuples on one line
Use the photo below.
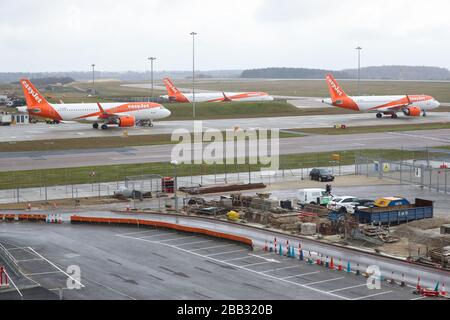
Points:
[(104, 127), (95, 125), (394, 116), (424, 113), (379, 115)]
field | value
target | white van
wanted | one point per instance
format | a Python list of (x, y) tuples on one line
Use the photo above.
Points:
[(310, 196)]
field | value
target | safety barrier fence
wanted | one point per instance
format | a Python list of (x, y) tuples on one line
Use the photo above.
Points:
[(160, 224)]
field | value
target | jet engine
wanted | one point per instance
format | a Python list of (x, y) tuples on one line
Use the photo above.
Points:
[(126, 122), (412, 111)]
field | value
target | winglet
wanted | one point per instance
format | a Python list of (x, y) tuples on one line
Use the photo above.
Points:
[(225, 97), (101, 108)]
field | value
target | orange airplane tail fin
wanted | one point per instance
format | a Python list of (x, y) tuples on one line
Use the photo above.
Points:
[(336, 92), (171, 89), (32, 96)]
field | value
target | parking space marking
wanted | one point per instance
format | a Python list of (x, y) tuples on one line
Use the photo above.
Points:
[(373, 295), (26, 260), (168, 240), (301, 275), (56, 267), (226, 252), (258, 263), (240, 258), (419, 298), (154, 235), (249, 270), (195, 242), (133, 233), (40, 273), (323, 281), (342, 289), (214, 247), (271, 270)]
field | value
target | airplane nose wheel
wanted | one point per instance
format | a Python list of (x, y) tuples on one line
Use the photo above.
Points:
[(104, 127), (95, 125), (379, 115)]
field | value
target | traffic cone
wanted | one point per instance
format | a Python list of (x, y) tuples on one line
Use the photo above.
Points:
[(60, 218), (443, 292), (300, 255), (436, 289), (349, 269), (275, 245), (340, 265), (281, 250), (288, 250), (266, 247), (319, 260), (271, 246), (357, 270), (418, 286), (327, 264), (29, 206), (332, 264)]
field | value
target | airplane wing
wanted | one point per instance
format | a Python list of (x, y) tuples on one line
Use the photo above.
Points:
[(395, 105), (107, 115)]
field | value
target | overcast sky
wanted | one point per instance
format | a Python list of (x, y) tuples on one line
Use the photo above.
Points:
[(66, 35)]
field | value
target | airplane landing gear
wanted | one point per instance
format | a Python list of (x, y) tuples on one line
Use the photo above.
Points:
[(379, 115), (104, 127), (394, 116), (95, 126), (424, 113)]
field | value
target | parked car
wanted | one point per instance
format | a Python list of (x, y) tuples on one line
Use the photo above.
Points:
[(343, 204), (313, 196), (321, 175)]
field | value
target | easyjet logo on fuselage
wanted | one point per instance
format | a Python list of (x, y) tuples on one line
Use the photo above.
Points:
[(334, 86), (31, 92)]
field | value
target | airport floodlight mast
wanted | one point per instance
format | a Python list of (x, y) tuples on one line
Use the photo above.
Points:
[(359, 69), (151, 59), (193, 34), (93, 79)]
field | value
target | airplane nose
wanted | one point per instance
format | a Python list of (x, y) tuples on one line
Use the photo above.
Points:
[(168, 113)]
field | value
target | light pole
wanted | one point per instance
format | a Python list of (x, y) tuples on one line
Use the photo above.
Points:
[(193, 34), (93, 79), (359, 69), (175, 184), (151, 61)]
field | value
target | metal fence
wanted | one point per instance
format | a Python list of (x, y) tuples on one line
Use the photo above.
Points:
[(426, 173)]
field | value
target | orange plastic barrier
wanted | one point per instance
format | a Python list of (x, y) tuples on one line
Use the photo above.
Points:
[(23, 217), (160, 224)]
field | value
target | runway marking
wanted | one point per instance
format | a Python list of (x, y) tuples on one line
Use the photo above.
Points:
[(247, 269), (56, 267), (226, 252), (323, 281), (301, 275), (342, 289), (372, 295), (195, 242), (292, 267), (167, 240), (224, 245)]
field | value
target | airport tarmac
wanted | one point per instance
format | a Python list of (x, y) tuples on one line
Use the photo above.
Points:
[(10, 161), (78, 130), (137, 264)]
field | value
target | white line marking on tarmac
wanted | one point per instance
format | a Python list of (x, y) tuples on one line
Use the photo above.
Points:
[(300, 275), (132, 233), (221, 246), (56, 267), (346, 288), (155, 235), (40, 273), (26, 260), (173, 239), (249, 270), (323, 281), (271, 270), (258, 263), (372, 295), (226, 252), (419, 298), (195, 242)]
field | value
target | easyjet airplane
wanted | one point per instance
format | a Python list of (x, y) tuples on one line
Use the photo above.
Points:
[(410, 105), (125, 114), (175, 95)]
